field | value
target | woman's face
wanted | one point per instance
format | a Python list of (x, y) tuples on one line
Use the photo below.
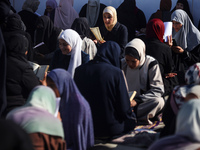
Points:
[(53, 86), (49, 9), (132, 62), (177, 25), (108, 19), (179, 6), (64, 47)]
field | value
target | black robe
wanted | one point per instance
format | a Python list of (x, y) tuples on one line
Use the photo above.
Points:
[(102, 84)]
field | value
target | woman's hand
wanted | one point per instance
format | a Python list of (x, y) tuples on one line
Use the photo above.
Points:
[(177, 49), (101, 42), (133, 103), (169, 41), (44, 81)]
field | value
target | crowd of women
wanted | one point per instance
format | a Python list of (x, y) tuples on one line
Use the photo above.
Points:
[(85, 96)]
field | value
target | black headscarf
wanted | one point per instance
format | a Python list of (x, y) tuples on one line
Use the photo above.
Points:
[(46, 32), (109, 52), (80, 25)]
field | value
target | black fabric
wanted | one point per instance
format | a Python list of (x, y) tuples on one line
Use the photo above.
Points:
[(162, 53), (29, 20), (14, 26), (118, 34), (166, 16), (13, 137), (132, 52), (99, 22), (102, 84), (47, 33), (4, 10), (132, 17), (20, 78), (62, 61), (80, 25)]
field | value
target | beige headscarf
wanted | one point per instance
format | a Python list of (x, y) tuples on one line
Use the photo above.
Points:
[(31, 5), (112, 11)]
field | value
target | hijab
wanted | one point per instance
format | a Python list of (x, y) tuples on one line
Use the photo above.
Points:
[(16, 46), (65, 15), (192, 77), (52, 3), (74, 40), (139, 46), (92, 14), (188, 120), (37, 115), (155, 29), (109, 52), (128, 6), (80, 25), (46, 32), (112, 11), (74, 110), (31, 5), (188, 37)]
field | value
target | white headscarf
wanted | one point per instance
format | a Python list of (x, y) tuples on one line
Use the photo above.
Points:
[(133, 75), (92, 14), (112, 11), (74, 40), (188, 37), (65, 15), (188, 120)]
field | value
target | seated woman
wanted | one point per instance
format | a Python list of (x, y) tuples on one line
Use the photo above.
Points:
[(70, 55), (143, 76), (80, 25), (113, 30), (176, 99), (47, 33), (74, 111), (186, 50), (156, 48), (187, 130), (102, 84), (37, 118), (20, 78)]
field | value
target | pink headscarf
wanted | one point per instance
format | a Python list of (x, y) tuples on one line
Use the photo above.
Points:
[(65, 14)]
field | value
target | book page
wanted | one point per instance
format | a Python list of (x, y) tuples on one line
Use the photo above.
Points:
[(168, 30), (41, 71), (97, 33), (38, 45), (35, 66)]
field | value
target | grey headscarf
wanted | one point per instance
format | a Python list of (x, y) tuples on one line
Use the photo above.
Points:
[(31, 5), (188, 37)]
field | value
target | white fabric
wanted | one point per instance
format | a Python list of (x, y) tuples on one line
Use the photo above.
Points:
[(195, 90), (92, 14), (89, 47), (74, 40), (65, 15), (188, 120), (188, 37)]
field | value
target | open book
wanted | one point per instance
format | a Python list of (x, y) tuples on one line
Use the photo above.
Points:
[(168, 30), (97, 34), (39, 70)]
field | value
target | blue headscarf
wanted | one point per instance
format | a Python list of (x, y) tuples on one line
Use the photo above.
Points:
[(74, 110), (109, 52)]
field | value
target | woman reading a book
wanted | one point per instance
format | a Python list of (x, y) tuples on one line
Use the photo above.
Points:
[(70, 55), (112, 30), (143, 76)]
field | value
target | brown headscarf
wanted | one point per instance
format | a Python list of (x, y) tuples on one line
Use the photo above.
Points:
[(165, 5)]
